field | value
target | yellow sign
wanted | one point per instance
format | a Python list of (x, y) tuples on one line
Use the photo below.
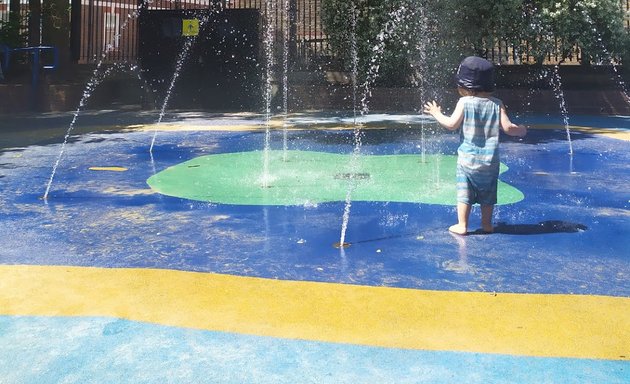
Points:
[(190, 27)]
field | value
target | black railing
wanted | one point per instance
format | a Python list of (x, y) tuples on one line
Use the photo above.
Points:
[(107, 30)]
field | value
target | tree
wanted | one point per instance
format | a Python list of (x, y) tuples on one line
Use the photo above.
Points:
[(11, 32), (380, 41), (398, 37), (595, 26)]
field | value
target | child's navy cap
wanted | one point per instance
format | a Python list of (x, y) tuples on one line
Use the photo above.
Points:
[(476, 74)]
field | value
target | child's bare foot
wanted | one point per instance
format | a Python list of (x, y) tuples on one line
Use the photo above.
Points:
[(487, 228), (458, 229)]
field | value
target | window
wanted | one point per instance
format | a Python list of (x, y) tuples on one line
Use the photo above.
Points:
[(111, 35)]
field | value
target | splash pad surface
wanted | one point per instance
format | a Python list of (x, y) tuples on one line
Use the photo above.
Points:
[(306, 177), (125, 267)]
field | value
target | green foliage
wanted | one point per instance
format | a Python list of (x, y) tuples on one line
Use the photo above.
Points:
[(476, 25), (369, 18), (12, 32), (436, 34), (596, 26)]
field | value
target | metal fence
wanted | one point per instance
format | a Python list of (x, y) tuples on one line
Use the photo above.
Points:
[(504, 53), (107, 29)]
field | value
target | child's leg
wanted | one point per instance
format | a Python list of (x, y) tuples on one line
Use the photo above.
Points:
[(486, 217), (463, 213)]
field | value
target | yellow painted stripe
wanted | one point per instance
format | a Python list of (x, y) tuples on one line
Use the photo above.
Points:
[(518, 324), (245, 127), (112, 169), (618, 134)]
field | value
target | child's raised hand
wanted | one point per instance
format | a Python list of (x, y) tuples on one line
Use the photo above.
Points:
[(518, 130), (432, 108)]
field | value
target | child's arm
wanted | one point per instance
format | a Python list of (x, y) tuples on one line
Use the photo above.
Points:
[(509, 127), (451, 123)]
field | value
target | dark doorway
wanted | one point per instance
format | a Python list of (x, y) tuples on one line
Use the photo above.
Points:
[(222, 70)]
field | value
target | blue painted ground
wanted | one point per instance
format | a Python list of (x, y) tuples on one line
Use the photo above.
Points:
[(103, 350), (569, 234)]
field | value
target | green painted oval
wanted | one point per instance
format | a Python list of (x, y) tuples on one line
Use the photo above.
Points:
[(306, 177)]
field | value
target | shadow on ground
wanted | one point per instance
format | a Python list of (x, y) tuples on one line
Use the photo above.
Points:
[(544, 227)]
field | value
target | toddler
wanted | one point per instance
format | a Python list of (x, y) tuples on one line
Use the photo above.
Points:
[(480, 117)]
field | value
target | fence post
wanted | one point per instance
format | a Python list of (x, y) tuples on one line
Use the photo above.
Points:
[(15, 15), (34, 21), (75, 30), (292, 56)]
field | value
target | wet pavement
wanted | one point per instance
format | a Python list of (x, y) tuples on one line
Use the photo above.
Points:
[(108, 280)]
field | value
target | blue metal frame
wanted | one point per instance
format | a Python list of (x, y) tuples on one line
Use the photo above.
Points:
[(7, 54), (36, 52)]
